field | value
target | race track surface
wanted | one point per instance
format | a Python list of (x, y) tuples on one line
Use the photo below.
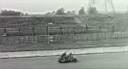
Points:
[(92, 61)]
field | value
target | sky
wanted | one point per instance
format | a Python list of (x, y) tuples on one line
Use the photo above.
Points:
[(42, 6)]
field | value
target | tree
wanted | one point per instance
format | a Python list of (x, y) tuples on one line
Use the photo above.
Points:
[(60, 11), (50, 13), (70, 12), (82, 11), (73, 12), (10, 13), (92, 11)]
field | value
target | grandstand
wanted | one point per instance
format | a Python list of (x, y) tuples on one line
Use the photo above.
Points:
[(39, 25), (23, 33)]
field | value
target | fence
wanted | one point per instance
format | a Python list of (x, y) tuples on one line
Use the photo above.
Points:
[(10, 40)]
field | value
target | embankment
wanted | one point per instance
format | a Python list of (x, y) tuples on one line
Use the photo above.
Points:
[(58, 52)]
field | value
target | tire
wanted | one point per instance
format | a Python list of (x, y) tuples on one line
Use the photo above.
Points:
[(75, 60)]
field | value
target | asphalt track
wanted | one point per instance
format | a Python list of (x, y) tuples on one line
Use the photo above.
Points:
[(92, 61)]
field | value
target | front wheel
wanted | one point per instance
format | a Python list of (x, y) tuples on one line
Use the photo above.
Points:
[(75, 60)]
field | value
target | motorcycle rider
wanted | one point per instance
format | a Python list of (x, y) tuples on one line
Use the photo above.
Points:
[(63, 56), (70, 57)]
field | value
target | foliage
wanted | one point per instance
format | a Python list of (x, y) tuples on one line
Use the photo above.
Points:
[(60, 11), (82, 11), (92, 11), (10, 13)]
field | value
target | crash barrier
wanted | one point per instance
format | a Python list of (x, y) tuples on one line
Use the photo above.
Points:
[(10, 40), (59, 52)]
